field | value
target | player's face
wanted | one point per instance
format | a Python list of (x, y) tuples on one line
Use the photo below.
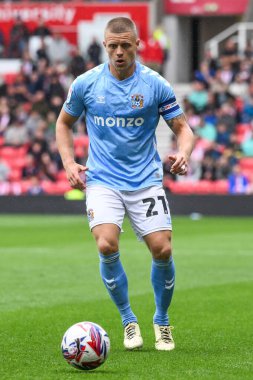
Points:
[(121, 49)]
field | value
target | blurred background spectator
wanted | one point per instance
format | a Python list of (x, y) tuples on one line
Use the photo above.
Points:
[(238, 182)]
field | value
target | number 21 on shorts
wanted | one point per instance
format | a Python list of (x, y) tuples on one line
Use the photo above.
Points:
[(152, 203)]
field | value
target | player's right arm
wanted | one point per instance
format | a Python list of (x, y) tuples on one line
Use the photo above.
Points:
[(64, 139)]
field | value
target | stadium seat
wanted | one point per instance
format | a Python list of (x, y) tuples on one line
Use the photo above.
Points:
[(220, 186), (55, 188), (82, 141), (81, 144), (15, 162), (246, 163), (25, 184), (9, 78), (9, 152), (204, 187), (198, 187), (15, 175), (242, 131), (248, 173), (61, 175)]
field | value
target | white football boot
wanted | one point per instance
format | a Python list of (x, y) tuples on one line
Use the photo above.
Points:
[(132, 336), (163, 336)]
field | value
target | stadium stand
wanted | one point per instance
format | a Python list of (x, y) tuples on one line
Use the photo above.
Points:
[(219, 108)]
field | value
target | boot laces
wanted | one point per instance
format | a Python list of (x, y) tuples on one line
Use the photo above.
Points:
[(130, 331), (166, 333)]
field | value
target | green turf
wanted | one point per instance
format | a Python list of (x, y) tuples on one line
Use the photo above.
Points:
[(49, 280)]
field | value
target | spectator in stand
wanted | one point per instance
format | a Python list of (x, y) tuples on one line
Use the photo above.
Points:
[(55, 103), (51, 122), (226, 73), (152, 54), (222, 168), (40, 129), (20, 89), (247, 114), (239, 87), (208, 169), (40, 103), (223, 135), (34, 83), (94, 52), (203, 74), (3, 87), (4, 171), (42, 52), (54, 154), (219, 88), (2, 44), (248, 52), (77, 63), (162, 38), (32, 121), (38, 146), (198, 98), (19, 35), (59, 49), (238, 182), (35, 187), (41, 29), (247, 146), (65, 76), (47, 168), (205, 130), (229, 54), (214, 151), (30, 169), (54, 87), (27, 64), (5, 116), (16, 134), (226, 114), (11, 97)]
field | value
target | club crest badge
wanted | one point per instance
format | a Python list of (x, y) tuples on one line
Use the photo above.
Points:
[(137, 100), (90, 214)]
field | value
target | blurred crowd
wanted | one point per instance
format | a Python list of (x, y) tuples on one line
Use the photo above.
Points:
[(219, 109)]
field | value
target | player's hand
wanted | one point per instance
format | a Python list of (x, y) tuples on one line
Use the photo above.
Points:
[(178, 164), (73, 172)]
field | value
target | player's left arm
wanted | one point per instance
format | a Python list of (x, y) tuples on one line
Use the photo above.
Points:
[(185, 144)]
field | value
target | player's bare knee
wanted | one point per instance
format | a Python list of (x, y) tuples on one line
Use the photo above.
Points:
[(107, 246), (162, 252)]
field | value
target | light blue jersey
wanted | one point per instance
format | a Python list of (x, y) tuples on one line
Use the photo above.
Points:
[(121, 118)]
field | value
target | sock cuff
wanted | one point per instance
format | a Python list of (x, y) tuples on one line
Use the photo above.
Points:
[(162, 263), (108, 259)]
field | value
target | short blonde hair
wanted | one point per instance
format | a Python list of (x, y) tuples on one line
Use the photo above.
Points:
[(121, 25)]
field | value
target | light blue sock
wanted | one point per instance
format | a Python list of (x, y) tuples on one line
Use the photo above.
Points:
[(163, 280), (115, 280)]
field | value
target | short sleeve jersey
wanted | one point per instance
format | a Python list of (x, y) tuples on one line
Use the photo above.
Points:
[(121, 118)]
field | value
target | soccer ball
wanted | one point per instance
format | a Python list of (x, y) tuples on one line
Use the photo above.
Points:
[(85, 345)]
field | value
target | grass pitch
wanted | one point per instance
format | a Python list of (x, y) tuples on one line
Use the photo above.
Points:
[(49, 280)]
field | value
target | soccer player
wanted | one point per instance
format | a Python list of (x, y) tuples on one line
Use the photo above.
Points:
[(122, 101)]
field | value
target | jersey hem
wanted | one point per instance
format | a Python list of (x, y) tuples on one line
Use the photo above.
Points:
[(167, 228), (92, 225), (90, 184)]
